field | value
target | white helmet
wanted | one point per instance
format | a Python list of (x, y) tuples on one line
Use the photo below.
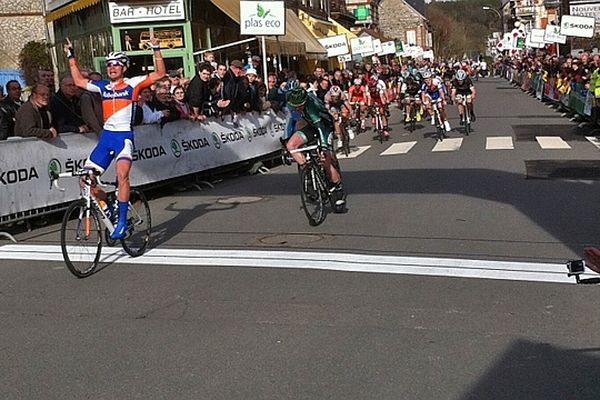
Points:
[(335, 91), (118, 56), (426, 74), (461, 75)]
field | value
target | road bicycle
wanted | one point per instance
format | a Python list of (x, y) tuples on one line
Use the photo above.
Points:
[(316, 189), (377, 113), (345, 135), (414, 109), (437, 118), (88, 219), (356, 121), (463, 101)]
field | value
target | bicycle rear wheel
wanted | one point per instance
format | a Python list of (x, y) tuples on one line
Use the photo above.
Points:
[(81, 239), (311, 194), (139, 224), (345, 142)]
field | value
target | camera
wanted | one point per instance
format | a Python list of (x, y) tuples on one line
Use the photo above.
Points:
[(576, 267)]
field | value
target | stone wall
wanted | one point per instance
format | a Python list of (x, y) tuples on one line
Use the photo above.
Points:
[(20, 22), (396, 18)]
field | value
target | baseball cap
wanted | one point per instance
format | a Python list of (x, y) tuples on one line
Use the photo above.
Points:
[(237, 64), (250, 71)]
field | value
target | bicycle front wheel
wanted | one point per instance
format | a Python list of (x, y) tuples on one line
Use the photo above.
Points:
[(139, 224), (311, 194), (81, 239)]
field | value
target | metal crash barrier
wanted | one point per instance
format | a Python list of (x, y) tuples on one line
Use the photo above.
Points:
[(179, 148)]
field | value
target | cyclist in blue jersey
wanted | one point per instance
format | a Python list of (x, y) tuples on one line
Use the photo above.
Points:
[(119, 95), (432, 91)]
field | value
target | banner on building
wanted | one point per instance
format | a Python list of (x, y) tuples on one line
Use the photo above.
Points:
[(552, 35), (154, 10), (362, 44), (387, 48), (577, 26), (335, 45), (586, 9), (537, 35), (262, 18), (178, 149)]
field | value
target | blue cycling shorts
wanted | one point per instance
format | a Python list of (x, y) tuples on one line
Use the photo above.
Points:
[(112, 145)]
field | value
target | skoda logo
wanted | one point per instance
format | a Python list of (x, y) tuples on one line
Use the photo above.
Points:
[(216, 140), (175, 148), (54, 168)]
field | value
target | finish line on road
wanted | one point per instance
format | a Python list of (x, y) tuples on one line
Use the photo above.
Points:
[(348, 262)]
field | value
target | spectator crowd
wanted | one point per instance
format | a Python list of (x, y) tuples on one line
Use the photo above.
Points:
[(558, 78)]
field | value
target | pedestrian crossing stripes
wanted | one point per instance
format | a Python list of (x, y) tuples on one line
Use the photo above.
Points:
[(499, 143), (594, 140), (492, 143), (552, 143), (399, 148), (354, 152), (449, 144)]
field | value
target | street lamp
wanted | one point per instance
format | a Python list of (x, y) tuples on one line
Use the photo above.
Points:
[(488, 8)]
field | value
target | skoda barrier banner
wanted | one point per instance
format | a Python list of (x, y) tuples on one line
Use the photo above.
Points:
[(178, 149)]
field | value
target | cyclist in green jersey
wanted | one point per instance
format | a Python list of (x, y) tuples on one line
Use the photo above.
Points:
[(315, 123)]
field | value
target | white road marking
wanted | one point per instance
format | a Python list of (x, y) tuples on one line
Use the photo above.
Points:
[(350, 262), (449, 144), (595, 140), (398, 148), (499, 143), (552, 143), (354, 152)]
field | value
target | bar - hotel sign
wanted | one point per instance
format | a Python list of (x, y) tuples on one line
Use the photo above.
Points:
[(146, 11)]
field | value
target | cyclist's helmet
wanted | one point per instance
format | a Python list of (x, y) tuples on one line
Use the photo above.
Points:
[(461, 75), (405, 74), (416, 74), (335, 91), (119, 57), (291, 85), (426, 74), (357, 81), (297, 97), (372, 82)]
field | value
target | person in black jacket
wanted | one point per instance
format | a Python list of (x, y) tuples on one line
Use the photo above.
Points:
[(163, 101), (198, 92), (8, 109), (233, 87), (66, 109)]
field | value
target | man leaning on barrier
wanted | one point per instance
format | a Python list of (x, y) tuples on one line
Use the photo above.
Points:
[(34, 118), (8, 109)]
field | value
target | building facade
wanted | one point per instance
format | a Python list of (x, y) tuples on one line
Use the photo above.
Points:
[(21, 21), (399, 20)]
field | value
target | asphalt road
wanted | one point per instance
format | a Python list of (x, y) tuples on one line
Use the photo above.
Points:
[(244, 300)]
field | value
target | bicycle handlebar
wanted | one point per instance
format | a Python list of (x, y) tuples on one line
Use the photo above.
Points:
[(305, 149), (54, 177)]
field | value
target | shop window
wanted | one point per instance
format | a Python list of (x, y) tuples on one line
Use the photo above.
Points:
[(137, 39)]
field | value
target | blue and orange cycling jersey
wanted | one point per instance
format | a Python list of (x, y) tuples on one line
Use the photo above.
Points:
[(434, 90), (118, 100)]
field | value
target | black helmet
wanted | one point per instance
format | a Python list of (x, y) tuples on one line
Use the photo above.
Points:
[(297, 97)]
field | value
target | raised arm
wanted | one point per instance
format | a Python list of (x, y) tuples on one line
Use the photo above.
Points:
[(161, 69), (78, 79)]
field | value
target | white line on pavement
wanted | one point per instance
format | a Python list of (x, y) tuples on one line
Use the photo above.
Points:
[(595, 140), (450, 144), (499, 143), (448, 267), (398, 148), (354, 152), (552, 142)]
